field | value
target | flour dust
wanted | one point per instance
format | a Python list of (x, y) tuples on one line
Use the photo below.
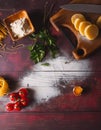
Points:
[(44, 80)]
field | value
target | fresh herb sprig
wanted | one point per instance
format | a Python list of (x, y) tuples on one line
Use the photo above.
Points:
[(44, 42)]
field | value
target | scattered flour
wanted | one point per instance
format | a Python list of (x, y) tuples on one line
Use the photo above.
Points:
[(44, 79)]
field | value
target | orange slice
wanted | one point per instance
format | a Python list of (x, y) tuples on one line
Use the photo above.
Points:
[(77, 23), (91, 31), (98, 22), (75, 16), (82, 26)]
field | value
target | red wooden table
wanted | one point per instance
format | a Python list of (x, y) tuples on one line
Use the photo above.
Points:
[(63, 112)]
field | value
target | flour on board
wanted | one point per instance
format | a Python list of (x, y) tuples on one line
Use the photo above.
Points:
[(44, 79)]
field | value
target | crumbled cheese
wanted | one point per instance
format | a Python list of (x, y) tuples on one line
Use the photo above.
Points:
[(20, 27)]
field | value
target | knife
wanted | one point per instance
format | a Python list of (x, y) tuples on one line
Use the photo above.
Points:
[(88, 8)]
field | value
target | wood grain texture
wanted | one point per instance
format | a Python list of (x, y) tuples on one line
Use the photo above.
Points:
[(44, 121), (65, 112)]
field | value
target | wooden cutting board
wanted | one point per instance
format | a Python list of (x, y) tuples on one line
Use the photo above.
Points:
[(84, 46)]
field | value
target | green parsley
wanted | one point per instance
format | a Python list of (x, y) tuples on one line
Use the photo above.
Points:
[(44, 42)]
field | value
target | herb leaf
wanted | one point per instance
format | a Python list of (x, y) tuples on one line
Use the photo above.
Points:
[(44, 43), (45, 64), (37, 53)]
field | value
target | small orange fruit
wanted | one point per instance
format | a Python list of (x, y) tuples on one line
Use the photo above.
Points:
[(77, 90)]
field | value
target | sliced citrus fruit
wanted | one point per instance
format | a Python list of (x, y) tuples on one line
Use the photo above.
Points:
[(91, 31), (82, 26), (98, 22), (77, 23), (75, 16)]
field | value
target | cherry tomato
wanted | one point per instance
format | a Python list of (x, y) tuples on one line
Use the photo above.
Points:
[(14, 97), (10, 106), (17, 106), (24, 101), (23, 92)]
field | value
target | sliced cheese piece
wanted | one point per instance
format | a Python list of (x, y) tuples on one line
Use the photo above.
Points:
[(98, 22), (91, 31), (75, 16), (82, 26), (77, 23)]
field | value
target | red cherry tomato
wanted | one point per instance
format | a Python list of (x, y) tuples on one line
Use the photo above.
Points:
[(14, 97), (10, 106), (24, 101), (23, 92), (17, 106)]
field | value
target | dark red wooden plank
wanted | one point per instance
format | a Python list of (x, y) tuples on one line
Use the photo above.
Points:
[(69, 112), (51, 121), (90, 100)]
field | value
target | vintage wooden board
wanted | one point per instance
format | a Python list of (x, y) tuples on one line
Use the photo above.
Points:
[(64, 111), (84, 46)]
